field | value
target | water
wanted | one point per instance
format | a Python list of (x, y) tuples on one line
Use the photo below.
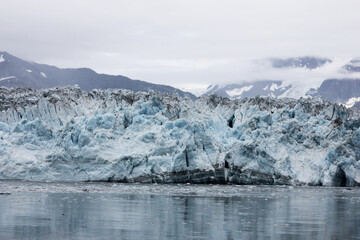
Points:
[(134, 211)]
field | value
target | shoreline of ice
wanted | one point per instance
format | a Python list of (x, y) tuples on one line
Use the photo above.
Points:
[(13, 187), (65, 134)]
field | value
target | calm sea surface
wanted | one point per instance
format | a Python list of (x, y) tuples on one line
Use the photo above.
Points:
[(134, 211)]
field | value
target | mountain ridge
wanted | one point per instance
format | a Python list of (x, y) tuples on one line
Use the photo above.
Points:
[(16, 72), (336, 90)]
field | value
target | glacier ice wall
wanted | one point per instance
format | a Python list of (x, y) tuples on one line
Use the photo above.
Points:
[(65, 134)]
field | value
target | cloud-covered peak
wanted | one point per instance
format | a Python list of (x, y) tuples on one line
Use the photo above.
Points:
[(308, 62)]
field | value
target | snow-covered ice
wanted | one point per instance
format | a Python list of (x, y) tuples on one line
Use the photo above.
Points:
[(2, 59), (351, 102), (238, 91), (65, 134), (43, 74), (6, 78), (28, 70)]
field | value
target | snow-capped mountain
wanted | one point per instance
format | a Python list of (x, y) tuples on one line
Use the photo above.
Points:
[(249, 89), (15, 72), (65, 134), (341, 90)]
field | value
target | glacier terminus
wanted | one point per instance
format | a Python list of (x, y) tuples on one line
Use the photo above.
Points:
[(66, 134)]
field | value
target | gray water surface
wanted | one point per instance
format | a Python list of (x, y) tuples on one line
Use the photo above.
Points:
[(134, 211)]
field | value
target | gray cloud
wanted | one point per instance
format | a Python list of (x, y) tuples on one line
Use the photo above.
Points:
[(183, 43)]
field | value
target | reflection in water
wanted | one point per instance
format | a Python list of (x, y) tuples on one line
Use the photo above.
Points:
[(287, 215)]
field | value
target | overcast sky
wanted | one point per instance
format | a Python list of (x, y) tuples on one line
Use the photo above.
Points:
[(184, 43)]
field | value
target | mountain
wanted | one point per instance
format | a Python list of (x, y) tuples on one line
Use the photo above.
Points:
[(65, 134), (249, 89), (356, 104), (15, 72), (339, 90), (344, 91), (308, 62)]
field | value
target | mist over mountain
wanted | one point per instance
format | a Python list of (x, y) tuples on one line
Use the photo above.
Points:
[(294, 81), (300, 77), (353, 65), (15, 72), (300, 62)]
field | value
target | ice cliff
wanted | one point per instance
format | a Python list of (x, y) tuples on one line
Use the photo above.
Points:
[(65, 134)]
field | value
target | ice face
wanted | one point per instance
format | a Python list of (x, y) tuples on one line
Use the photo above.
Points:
[(65, 134)]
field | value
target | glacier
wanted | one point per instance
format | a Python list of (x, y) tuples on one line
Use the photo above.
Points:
[(65, 134)]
